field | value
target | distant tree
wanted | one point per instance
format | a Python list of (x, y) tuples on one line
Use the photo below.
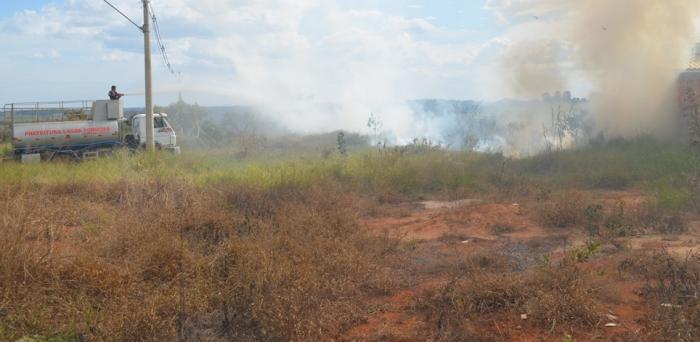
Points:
[(342, 144), (466, 127), (246, 132), (214, 135), (567, 122), (186, 118), (375, 124)]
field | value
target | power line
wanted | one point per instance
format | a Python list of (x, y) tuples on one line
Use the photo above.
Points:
[(124, 15), (156, 30), (161, 45)]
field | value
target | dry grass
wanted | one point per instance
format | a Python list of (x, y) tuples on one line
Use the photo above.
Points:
[(552, 296), (566, 209), (610, 221), (655, 219), (500, 228), (148, 260), (671, 293)]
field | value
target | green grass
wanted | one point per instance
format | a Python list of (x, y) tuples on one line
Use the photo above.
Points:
[(617, 164), (5, 148), (660, 169), (665, 171)]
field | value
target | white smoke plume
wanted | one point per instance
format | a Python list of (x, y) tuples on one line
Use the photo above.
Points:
[(628, 52)]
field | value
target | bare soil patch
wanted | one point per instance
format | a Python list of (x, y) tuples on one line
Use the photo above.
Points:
[(447, 244)]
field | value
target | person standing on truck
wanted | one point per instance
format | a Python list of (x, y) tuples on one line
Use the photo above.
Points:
[(114, 95)]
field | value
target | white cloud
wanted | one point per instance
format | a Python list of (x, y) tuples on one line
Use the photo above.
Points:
[(508, 11), (48, 54), (120, 56)]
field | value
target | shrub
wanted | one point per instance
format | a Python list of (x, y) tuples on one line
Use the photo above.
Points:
[(613, 181), (673, 195), (499, 228), (564, 210)]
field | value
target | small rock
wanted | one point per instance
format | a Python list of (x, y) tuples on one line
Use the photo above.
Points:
[(465, 241), (611, 325), (523, 316)]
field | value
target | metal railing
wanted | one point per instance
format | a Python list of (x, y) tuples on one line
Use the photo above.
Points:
[(47, 111)]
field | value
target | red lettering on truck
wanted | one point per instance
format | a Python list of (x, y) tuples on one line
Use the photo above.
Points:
[(97, 129), (68, 131), (42, 132)]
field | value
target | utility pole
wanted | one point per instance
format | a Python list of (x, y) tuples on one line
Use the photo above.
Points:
[(146, 29), (150, 142)]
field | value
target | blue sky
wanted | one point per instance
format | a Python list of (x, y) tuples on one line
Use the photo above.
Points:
[(10, 6)]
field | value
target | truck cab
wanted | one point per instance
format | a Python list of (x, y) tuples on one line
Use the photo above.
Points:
[(164, 134)]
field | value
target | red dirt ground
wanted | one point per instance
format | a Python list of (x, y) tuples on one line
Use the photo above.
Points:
[(443, 232)]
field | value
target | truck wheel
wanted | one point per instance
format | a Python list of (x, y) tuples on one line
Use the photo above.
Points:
[(131, 142), (65, 157)]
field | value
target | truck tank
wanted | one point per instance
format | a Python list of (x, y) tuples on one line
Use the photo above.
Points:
[(65, 134)]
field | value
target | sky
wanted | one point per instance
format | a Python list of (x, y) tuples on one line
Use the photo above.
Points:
[(74, 49), (305, 57)]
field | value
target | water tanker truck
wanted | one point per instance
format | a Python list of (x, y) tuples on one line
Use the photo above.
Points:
[(80, 129)]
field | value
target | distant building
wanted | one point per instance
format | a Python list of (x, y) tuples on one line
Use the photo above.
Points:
[(688, 95), (689, 82), (695, 62)]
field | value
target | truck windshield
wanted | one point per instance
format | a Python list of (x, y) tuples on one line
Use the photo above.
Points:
[(159, 122)]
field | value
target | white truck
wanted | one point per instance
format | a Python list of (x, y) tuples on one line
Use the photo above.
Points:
[(80, 129)]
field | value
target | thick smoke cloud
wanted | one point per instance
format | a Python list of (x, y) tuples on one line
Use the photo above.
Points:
[(532, 67), (628, 51), (636, 59)]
